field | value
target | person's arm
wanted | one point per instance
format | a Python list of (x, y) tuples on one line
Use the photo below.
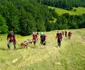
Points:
[(45, 37), (14, 37)]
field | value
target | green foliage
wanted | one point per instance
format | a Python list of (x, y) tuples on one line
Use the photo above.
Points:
[(27, 16), (60, 11), (24, 17), (3, 26), (66, 4), (27, 24)]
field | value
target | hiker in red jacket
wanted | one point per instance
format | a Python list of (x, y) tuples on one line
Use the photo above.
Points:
[(11, 37), (69, 35), (59, 38), (43, 39), (35, 38)]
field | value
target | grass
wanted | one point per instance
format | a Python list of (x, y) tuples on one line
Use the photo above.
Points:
[(60, 11), (71, 55)]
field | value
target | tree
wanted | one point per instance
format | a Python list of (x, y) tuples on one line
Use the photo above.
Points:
[(3, 26), (27, 24), (62, 22)]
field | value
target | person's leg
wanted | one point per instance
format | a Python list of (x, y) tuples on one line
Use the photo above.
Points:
[(34, 43), (41, 43), (8, 44), (69, 37), (59, 42), (44, 43), (14, 44)]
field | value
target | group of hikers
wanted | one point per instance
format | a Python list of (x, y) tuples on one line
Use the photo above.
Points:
[(11, 38), (59, 36)]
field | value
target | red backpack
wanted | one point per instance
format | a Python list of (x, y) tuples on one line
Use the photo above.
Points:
[(12, 38), (34, 36), (59, 35)]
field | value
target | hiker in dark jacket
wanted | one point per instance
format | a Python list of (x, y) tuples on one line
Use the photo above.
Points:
[(69, 35), (11, 38), (65, 33), (43, 39), (59, 38)]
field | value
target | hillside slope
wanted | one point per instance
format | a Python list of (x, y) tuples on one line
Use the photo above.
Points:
[(74, 11), (71, 55)]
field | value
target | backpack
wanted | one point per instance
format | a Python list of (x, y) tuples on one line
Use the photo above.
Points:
[(43, 37), (12, 38)]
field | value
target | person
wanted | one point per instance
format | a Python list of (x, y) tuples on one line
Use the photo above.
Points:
[(65, 33), (24, 44), (35, 38), (69, 35), (59, 38), (11, 38), (43, 39)]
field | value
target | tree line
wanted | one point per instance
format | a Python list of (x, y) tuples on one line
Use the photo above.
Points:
[(23, 16), (66, 21), (66, 4), (27, 16)]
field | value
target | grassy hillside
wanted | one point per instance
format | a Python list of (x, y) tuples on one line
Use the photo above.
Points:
[(79, 11), (71, 55)]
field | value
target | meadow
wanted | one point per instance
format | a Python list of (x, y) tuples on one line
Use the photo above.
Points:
[(71, 55), (74, 11)]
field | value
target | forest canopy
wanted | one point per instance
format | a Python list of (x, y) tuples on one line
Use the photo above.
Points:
[(27, 16)]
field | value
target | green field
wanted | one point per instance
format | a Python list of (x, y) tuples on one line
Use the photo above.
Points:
[(79, 10), (71, 55)]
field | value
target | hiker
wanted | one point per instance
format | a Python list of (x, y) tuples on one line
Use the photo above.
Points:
[(59, 38), (11, 38), (35, 38), (24, 44), (65, 33), (43, 39), (69, 35), (29, 41)]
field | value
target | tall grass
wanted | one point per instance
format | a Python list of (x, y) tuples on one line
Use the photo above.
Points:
[(71, 55)]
